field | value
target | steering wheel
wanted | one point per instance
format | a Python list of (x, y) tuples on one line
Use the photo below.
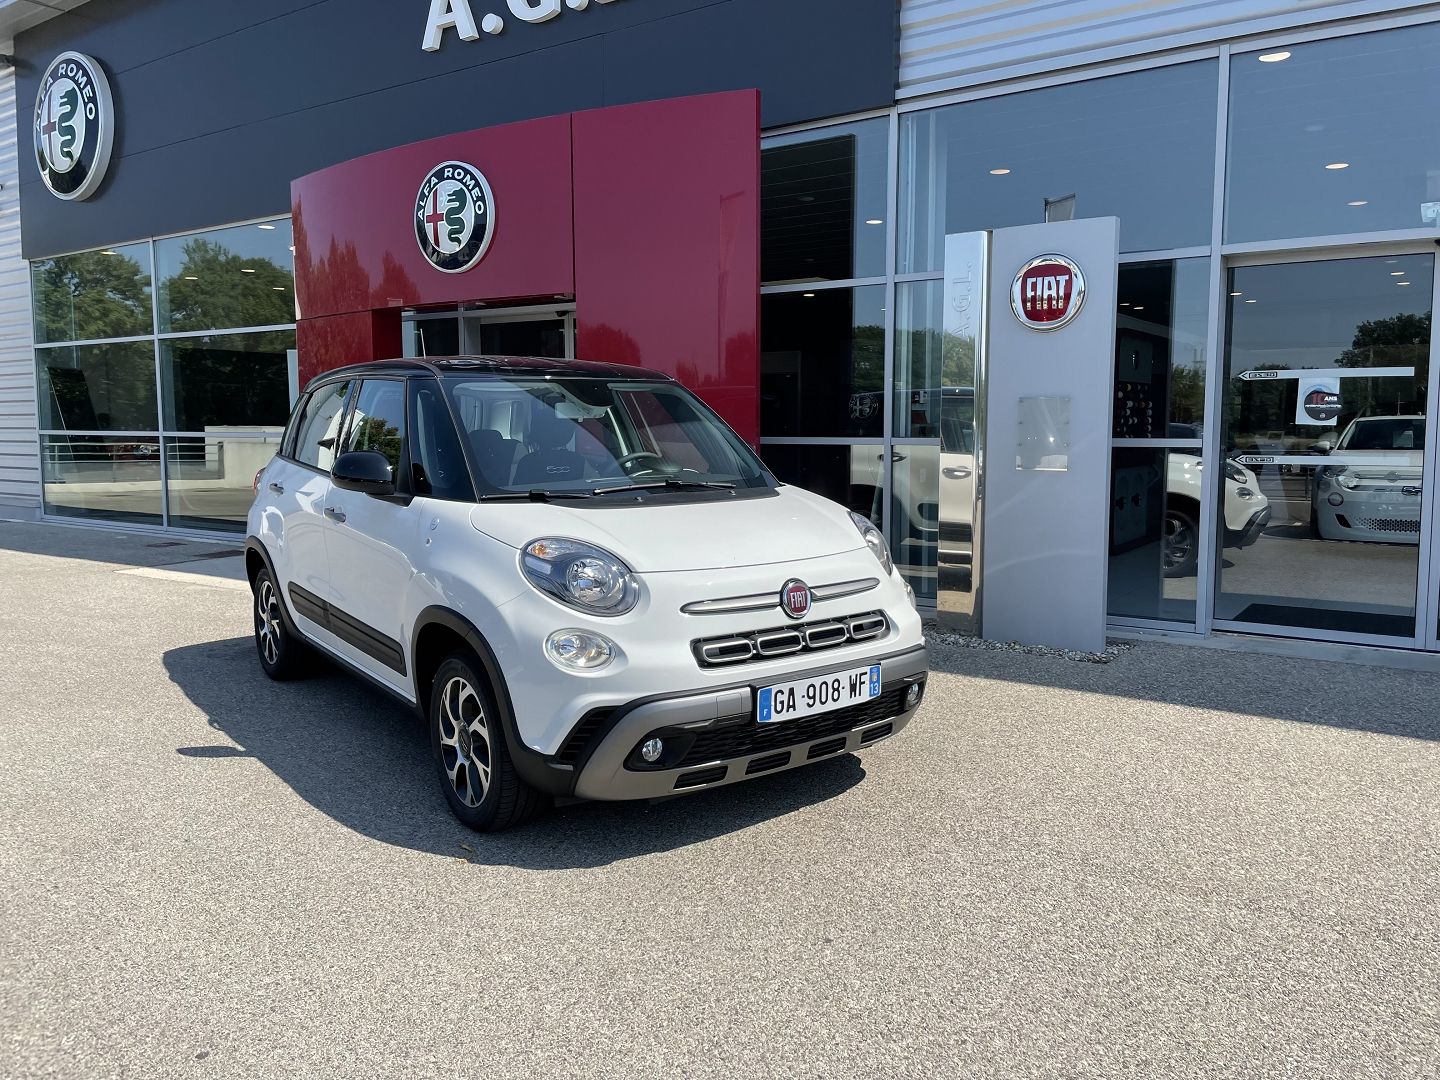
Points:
[(630, 459)]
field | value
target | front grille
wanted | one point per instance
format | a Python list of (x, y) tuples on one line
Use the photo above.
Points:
[(768, 762), (742, 740), (1391, 525), (787, 640), (701, 776), (577, 741)]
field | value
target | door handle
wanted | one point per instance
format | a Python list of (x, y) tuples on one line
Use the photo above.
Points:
[(334, 513), (278, 489), (958, 472)]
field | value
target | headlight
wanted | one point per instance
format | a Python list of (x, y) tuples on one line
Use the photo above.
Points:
[(1338, 473), (580, 576), (1235, 472), (873, 540)]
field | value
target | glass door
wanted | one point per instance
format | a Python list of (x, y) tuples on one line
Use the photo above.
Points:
[(542, 331), (1325, 417)]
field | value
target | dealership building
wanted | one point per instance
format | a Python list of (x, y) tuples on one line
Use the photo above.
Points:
[(803, 210)]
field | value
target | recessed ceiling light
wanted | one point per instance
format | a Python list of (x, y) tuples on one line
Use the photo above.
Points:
[(109, 253), (1402, 283), (1252, 301), (1358, 202), (1273, 57), (1334, 165), (1397, 273), (1139, 307), (875, 221), (1237, 294), (1124, 303), (277, 288), (807, 198), (999, 172), (243, 270), (809, 294), (191, 277), (268, 228)]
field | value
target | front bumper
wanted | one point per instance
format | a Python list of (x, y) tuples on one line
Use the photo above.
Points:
[(725, 721), (1243, 538)]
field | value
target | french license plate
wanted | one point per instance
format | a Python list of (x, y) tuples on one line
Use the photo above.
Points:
[(790, 701)]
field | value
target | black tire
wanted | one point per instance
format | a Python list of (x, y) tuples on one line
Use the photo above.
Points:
[(472, 759), (1181, 543), (282, 655)]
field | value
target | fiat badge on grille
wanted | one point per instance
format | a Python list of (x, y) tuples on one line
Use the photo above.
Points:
[(795, 598)]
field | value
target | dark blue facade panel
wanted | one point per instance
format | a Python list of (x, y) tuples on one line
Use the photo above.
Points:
[(222, 105)]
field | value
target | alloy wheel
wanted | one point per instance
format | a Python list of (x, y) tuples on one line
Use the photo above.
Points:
[(267, 621), (465, 741), (1179, 541)]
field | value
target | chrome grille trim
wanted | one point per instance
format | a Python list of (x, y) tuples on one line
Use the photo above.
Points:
[(788, 640), (735, 605), (779, 643), (865, 627), (823, 635)]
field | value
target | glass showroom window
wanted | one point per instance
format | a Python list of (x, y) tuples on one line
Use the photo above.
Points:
[(1139, 146), (1335, 137), (164, 424), (824, 199)]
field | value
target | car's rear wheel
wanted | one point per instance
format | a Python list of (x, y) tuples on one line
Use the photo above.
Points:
[(473, 761), (1182, 543), (281, 655)]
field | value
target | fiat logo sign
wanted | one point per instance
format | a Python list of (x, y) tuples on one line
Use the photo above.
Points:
[(1048, 292), (795, 598)]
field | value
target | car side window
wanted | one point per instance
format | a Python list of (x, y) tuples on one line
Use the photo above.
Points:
[(378, 419), (315, 442), (437, 463)]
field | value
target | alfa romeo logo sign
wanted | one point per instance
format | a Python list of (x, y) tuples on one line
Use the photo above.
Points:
[(454, 216), (1048, 292), (74, 126)]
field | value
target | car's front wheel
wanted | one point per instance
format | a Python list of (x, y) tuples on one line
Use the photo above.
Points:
[(281, 655), (1182, 543), (476, 774)]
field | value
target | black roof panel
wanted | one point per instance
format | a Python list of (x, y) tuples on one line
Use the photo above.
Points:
[(499, 367)]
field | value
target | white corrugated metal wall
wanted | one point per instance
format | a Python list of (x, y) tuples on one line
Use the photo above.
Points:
[(19, 456), (948, 44)]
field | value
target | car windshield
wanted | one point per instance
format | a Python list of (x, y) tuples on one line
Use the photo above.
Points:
[(1386, 433), (582, 434)]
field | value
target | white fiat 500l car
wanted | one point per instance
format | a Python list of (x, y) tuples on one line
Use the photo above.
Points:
[(588, 583)]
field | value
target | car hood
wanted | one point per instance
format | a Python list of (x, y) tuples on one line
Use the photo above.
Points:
[(1387, 464), (667, 533)]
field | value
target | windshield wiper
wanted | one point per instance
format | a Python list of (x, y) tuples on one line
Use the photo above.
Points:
[(661, 485), (533, 495)]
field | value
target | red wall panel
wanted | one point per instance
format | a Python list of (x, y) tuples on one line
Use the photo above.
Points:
[(648, 214), (355, 247), (353, 338), (667, 244)]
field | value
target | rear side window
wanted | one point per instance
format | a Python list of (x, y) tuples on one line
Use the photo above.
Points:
[(315, 441), (378, 420)]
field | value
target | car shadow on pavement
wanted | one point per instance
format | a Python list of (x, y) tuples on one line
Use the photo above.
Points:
[(363, 759)]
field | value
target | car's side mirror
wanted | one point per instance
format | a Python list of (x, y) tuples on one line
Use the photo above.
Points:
[(366, 471), (1322, 447)]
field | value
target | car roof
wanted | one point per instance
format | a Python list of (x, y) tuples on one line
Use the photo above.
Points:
[(1372, 419), (498, 367)]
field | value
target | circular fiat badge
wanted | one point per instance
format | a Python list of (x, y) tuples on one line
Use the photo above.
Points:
[(454, 216), (74, 126), (795, 598), (1048, 292)]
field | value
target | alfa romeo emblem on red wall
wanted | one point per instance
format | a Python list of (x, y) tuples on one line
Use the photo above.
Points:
[(454, 216), (1048, 292)]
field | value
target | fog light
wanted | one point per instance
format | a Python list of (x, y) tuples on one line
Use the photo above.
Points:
[(579, 650), (651, 750), (1336, 499), (912, 695)]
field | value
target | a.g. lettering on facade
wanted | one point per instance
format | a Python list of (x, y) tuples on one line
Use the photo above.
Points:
[(459, 15), (74, 126)]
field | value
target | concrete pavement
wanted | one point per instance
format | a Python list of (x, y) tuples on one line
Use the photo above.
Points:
[(1185, 863)]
